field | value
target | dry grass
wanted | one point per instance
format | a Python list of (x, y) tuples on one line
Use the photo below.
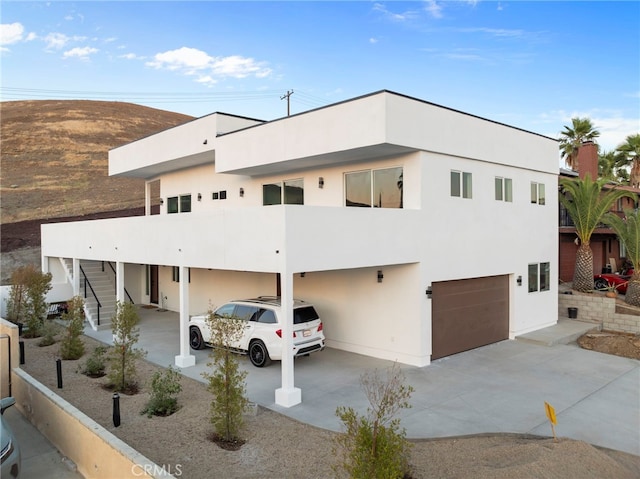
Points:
[(55, 156)]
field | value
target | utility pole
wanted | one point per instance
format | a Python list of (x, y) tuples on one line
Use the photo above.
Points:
[(288, 96)]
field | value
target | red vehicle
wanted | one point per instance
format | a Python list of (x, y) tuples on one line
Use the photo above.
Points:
[(620, 281)]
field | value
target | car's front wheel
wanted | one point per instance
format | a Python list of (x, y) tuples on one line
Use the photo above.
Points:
[(195, 338), (258, 354), (600, 284)]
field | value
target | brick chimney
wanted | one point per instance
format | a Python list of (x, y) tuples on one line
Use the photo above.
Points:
[(588, 160)]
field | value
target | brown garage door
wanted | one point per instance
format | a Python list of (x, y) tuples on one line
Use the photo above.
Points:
[(469, 313)]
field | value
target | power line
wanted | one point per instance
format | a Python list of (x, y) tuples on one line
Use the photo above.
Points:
[(14, 93)]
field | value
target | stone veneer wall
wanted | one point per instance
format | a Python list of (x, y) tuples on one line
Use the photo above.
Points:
[(597, 308)]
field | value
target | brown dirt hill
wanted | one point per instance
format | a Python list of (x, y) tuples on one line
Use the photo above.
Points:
[(54, 156)]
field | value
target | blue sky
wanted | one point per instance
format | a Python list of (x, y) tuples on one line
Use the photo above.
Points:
[(533, 65)]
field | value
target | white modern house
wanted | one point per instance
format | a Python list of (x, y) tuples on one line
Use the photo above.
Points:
[(417, 231)]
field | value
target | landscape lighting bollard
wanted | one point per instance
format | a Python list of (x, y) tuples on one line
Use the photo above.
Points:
[(59, 372), (116, 409)]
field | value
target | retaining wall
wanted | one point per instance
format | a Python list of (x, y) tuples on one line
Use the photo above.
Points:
[(597, 308)]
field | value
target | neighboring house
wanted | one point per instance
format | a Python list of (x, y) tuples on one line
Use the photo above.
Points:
[(609, 254), (416, 230)]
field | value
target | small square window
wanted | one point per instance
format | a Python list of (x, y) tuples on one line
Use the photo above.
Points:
[(537, 193), (214, 195), (223, 195), (503, 189)]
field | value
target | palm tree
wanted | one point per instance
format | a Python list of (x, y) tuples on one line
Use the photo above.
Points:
[(586, 203), (611, 166), (571, 138), (630, 151), (628, 230)]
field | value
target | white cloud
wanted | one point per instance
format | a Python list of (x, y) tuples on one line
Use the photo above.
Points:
[(81, 53), (189, 59), (130, 56), (56, 41), (433, 8), (396, 17), (10, 33), (208, 69), (373, 40)]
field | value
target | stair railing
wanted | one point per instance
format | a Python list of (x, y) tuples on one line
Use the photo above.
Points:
[(87, 283), (115, 281)]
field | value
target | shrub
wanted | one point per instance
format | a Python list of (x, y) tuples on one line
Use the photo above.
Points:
[(165, 386), (71, 346), (227, 382), (373, 445), (123, 356), (26, 303), (95, 365), (48, 333)]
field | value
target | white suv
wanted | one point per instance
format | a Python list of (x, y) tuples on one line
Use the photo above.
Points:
[(262, 338)]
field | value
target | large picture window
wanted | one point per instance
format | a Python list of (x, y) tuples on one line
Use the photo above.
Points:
[(289, 192), (381, 188)]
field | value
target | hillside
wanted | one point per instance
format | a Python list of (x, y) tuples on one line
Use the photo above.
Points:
[(54, 156), (54, 167)]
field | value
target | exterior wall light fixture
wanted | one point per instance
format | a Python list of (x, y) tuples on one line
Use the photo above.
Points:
[(161, 201), (199, 196), (380, 276), (519, 280), (321, 182), (429, 292), (204, 142), (302, 274), (241, 192)]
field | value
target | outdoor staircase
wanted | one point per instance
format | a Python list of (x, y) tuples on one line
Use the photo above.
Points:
[(98, 279), (102, 280)]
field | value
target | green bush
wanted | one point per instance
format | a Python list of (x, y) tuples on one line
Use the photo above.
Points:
[(227, 382), (95, 365), (165, 386), (374, 445), (71, 346), (48, 334), (123, 354), (26, 304)]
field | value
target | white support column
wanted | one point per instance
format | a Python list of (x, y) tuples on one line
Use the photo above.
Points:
[(184, 359), (76, 276), (147, 198), (288, 395), (120, 296)]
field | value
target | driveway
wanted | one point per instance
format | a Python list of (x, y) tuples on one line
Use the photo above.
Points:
[(497, 388)]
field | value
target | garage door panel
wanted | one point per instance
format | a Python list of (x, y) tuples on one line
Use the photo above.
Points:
[(469, 313)]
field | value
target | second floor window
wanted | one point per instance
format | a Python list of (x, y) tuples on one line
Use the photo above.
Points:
[(179, 204), (504, 189), (288, 192), (381, 188), (461, 184), (537, 193)]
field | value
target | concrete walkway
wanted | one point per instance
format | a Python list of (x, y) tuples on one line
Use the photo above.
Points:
[(40, 458), (496, 388)]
